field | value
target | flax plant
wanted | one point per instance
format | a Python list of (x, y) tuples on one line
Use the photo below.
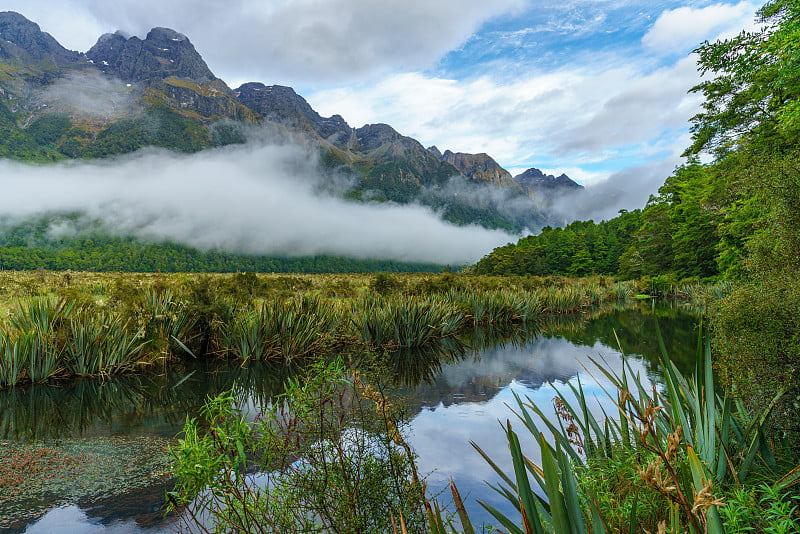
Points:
[(403, 322), (167, 323), (283, 330), (100, 345), (696, 443)]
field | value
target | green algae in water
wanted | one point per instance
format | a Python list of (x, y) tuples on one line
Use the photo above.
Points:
[(35, 477)]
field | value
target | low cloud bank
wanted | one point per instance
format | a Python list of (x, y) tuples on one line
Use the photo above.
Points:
[(627, 189), (260, 198)]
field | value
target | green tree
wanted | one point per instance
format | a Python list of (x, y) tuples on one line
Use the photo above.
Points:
[(754, 95)]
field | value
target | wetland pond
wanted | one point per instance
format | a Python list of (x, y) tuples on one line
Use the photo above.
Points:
[(92, 456)]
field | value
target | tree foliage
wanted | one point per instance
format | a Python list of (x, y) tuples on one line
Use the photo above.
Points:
[(29, 245), (753, 96), (580, 248)]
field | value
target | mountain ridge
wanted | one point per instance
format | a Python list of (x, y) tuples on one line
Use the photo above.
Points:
[(536, 180), (177, 102)]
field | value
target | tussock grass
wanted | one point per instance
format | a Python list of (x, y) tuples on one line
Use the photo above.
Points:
[(405, 322), (282, 330), (83, 324)]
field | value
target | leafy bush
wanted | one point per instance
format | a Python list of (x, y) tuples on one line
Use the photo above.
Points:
[(329, 454), (756, 334), (385, 283)]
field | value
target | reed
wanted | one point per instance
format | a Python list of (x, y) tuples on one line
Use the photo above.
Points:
[(502, 307), (168, 324), (48, 337), (568, 299), (13, 360), (693, 444), (35, 336), (179, 315), (43, 354), (41, 314), (622, 290)]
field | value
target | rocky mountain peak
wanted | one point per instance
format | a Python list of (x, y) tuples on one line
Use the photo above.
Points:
[(535, 179), (372, 136), (282, 104), (478, 167), (166, 36), (22, 39), (435, 151), (162, 54)]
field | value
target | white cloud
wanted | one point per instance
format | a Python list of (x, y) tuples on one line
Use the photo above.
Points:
[(89, 93), (626, 189), (636, 111), (288, 39), (566, 118), (259, 199), (683, 29)]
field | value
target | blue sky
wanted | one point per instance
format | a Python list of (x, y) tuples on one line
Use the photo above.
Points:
[(597, 89)]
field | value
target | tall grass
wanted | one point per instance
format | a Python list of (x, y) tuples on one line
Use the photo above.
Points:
[(168, 325), (502, 307), (36, 333), (404, 322), (100, 345), (250, 317), (282, 330), (49, 337), (13, 359), (41, 314)]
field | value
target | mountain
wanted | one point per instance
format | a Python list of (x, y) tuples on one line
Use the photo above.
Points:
[(23, 40), (282, 105), (538, 182), (126, 93), (477, 167), (172, 71), (162, 54)]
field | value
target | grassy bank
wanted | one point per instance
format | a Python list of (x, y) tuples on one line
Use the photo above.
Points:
[(61, 325)]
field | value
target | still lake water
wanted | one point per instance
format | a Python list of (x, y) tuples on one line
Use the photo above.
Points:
[(119, 428)]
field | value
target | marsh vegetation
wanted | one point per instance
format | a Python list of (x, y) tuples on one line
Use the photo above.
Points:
[(62, 325)]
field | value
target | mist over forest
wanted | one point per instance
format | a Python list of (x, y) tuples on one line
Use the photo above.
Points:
[(268, 196)]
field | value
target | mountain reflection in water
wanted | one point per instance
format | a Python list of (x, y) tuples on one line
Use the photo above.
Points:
[(457, 391)]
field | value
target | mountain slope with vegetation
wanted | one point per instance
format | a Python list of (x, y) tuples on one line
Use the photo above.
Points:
[(127, 93)]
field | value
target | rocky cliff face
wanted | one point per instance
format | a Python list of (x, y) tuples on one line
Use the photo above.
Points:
[(478, 167), (162, 54), (435, 151), (22, 39), (282, 105), (173, 72), (383, 151)]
